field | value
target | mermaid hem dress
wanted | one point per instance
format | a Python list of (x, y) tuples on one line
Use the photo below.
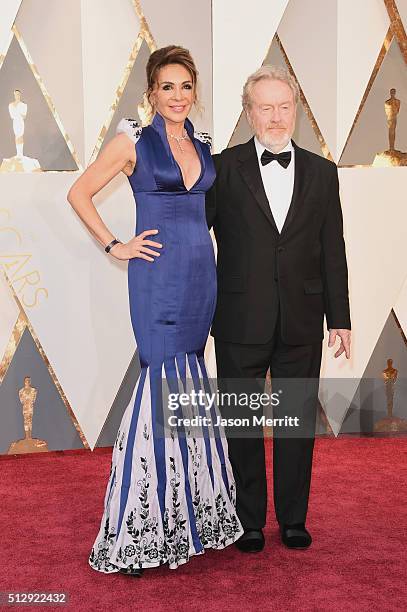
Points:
[(170, 494)]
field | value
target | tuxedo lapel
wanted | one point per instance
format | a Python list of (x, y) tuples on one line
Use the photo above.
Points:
[(302, 176), (250, 171)]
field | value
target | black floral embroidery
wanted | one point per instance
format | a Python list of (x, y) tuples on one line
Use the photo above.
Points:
[(214, 528), (204, 137), (121, 445), (177, 537), (130, 550), (130, 127), (146, 544), (226, 523), (199, 507), (99, 554), (217, 526)]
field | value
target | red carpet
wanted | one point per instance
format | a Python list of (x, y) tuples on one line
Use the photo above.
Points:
[(51, 507)]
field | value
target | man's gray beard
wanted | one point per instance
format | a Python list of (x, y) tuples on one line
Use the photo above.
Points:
[(272, 143), (263, 141)]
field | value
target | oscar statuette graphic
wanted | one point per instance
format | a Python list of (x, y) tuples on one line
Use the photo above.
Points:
[(390, 423), (28, 444), (391, 157), (19, 163)]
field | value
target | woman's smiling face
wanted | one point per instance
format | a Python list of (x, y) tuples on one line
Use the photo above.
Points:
[(173, 93)]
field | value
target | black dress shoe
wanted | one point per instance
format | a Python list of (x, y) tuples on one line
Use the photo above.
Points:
[(251, 541), (295, 536), (136, 572)]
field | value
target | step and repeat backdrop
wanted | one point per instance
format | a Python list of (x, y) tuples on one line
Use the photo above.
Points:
[(69, 71)]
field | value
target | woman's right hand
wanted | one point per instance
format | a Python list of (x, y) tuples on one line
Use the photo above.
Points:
[(137, 247)]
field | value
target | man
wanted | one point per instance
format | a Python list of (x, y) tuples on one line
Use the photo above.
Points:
[(277, 219)]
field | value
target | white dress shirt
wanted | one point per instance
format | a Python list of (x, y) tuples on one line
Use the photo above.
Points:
[(278, 183)]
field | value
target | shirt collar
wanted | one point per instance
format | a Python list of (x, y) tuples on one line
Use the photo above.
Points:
[(260, 148)]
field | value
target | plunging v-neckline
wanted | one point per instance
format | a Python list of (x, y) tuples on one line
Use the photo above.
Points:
[(159, 122), (180, 169)]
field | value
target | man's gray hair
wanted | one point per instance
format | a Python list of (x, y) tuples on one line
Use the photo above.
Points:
[(274, 73)]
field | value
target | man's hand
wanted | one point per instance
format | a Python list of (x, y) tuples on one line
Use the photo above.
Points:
[(344, 335)]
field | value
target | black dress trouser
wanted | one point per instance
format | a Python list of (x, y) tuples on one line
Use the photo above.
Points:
[(295, 373)]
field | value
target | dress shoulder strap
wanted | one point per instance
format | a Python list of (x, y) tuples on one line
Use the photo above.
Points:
[(130, 127)]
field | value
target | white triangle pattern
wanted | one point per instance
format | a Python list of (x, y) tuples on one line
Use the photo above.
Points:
[(236, 54)]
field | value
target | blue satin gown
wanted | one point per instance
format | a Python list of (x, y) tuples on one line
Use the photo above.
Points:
[(169, 495)]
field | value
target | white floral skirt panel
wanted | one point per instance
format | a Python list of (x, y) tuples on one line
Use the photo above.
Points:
[(168, 496)]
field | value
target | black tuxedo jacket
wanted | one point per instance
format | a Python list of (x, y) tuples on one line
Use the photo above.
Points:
[(303, 270)]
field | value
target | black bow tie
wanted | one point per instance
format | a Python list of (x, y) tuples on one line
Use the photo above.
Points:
[(282, 158)]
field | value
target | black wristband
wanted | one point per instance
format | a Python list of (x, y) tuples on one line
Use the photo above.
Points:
[(111, 244)]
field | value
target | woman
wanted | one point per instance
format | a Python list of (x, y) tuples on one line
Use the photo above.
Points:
[(168, 496)]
